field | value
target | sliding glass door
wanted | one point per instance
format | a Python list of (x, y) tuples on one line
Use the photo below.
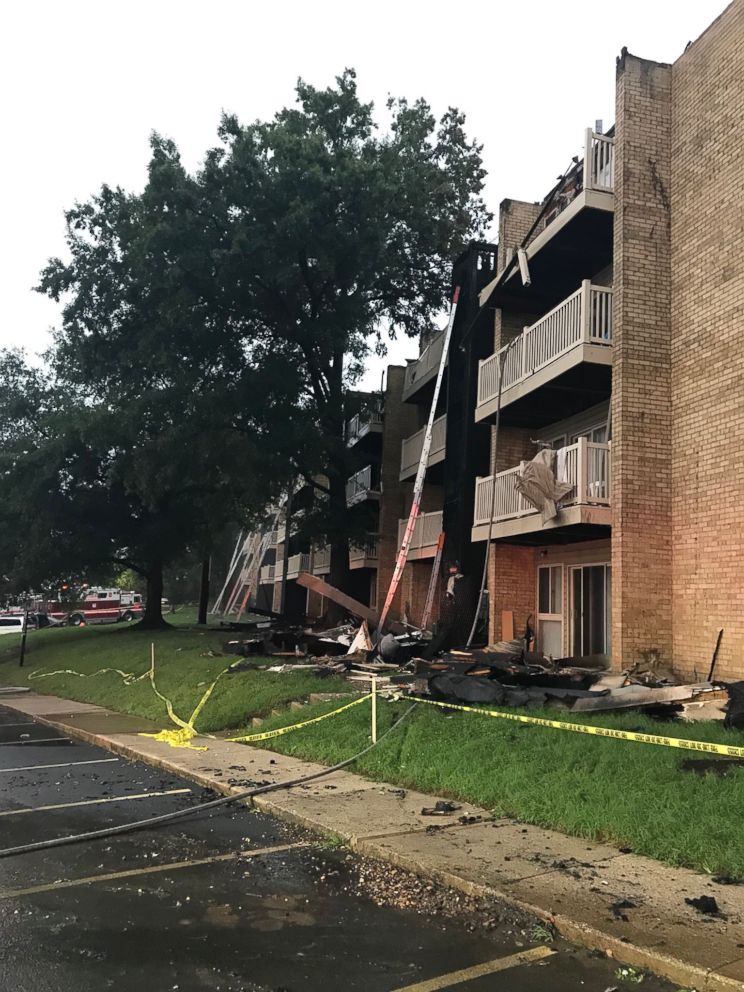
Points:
[(591, 598)]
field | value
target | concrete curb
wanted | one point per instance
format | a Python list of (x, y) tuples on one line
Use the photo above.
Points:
[(575, 931)]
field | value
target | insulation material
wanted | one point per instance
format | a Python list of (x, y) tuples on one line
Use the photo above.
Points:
[(539, 486)]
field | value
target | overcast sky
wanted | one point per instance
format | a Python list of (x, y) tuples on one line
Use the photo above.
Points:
[(84, 82)]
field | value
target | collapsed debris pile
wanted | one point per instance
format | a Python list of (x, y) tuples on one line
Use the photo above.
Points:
[(508, 673)]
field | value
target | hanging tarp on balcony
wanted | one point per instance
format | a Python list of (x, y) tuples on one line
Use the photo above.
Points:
[(539, 486)]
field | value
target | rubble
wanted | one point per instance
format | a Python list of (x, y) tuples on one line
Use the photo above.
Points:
[(506, 673)]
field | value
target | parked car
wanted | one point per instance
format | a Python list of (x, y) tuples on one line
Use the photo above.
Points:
[(11, 623)]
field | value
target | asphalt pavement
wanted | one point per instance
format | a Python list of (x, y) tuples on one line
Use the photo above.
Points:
[(231, 901)]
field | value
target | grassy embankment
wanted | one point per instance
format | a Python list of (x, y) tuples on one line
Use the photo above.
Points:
[(183, 669), (633, 795)]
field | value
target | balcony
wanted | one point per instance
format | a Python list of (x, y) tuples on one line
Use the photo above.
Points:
[(322, 561), (274, 538), (362, 425), (410, 449), (364, 556), (575, 239), (425, 368), (586, 506), (426, 533), (297, 564), (567, 354), (266, 575), (360, 487)]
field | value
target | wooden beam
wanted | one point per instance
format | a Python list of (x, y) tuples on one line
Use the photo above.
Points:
[(354, 607)]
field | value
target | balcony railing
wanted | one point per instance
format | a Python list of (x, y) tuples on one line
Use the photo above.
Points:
[(297, 564), (273, 538), (266, 575), (587, 469), (366, 553), (410, 449), (599, 161), (359, 486), (360, 425), (429, 359), (322, 561), (584, 318), (426, 532)]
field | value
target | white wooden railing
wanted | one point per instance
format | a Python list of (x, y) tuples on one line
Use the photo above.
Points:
[(367, 551), (322, 560), (359, 485), (587, 469), (297, 564), (266, 575), (410, 448), (360, 425), (584, 318), (429, 359), (426, 531), (599, 161)]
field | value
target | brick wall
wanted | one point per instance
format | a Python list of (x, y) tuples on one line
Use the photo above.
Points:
[(516, 217), (511, 585), (707, 355), (641, 400)]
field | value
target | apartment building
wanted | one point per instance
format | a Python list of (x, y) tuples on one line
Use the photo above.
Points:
[(374, 500), (616, 315)]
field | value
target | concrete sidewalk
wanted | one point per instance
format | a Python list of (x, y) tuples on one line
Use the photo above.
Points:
[(629, 907)]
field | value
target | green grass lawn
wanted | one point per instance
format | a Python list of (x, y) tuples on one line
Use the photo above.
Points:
[(182, 665), (628, 794), (633, 795)]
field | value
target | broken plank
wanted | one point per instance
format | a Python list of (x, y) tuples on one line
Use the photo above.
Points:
[(634, 695), (354, 607)]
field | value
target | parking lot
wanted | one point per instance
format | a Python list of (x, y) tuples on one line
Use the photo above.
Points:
[(232, 900)]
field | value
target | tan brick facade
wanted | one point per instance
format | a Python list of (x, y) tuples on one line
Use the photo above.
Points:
[(707, 353), (516, 217), (641, 401)]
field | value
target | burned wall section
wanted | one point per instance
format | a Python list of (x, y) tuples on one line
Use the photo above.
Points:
[(707, 354), (641, 388), (467, 441), (399, 420)]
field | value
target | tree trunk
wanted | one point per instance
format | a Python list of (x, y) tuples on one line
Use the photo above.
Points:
[(339, 577), (153, 615), (204, 591)]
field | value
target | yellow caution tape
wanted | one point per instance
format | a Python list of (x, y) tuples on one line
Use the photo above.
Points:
[(186, 730), (729, 750), (268, 734)]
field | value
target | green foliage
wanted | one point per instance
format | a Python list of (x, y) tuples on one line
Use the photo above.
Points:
[(213, 325)]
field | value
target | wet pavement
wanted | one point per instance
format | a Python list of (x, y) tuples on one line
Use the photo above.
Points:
[(232, 901)]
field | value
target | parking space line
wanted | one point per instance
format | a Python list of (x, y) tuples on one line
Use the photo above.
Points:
[(31, 740), (62, 764), (93, 802), (479, 970), (147, 870), (29, 723)]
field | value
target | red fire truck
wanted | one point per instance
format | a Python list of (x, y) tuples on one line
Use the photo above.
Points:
[(99, 605)]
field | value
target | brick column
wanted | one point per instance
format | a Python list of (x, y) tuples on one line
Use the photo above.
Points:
[(641, 399)]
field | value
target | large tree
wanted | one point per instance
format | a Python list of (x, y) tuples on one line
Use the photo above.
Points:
[(222, 317), (320, 235)]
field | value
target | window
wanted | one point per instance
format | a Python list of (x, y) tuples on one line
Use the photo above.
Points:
[(550, 591), (550, 610), (597, 434)]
